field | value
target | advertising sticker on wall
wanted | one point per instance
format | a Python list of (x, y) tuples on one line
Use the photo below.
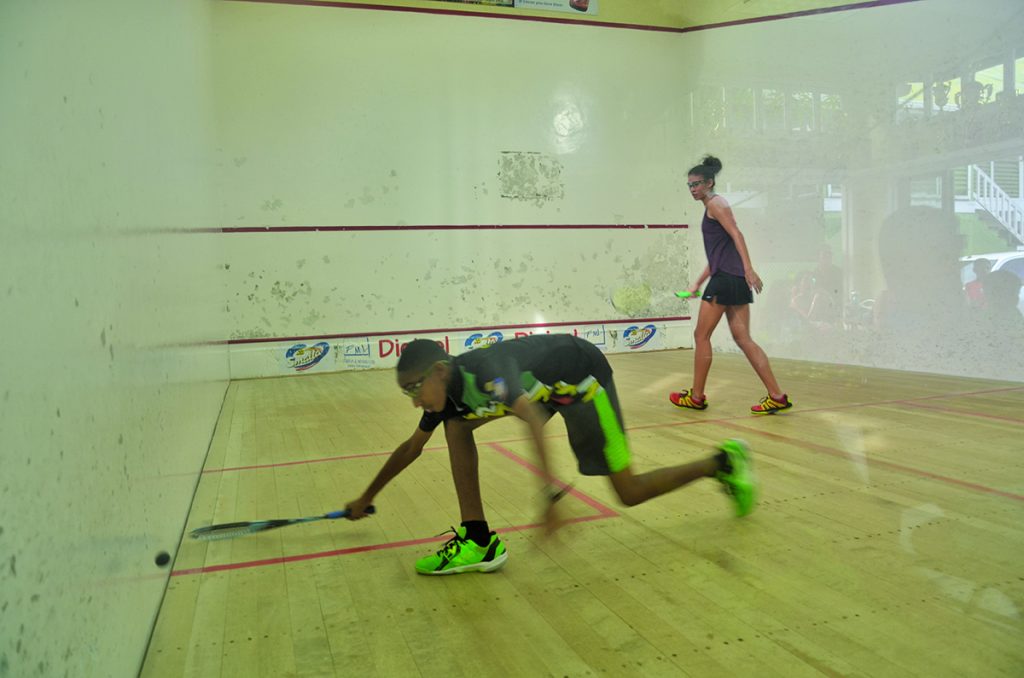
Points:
[(492, 3), (356, 354), (636, 337), (374, 351), (301, 357), (481, 340), (575, 6)]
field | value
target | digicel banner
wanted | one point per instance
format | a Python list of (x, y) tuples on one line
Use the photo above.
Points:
[(574, 6)]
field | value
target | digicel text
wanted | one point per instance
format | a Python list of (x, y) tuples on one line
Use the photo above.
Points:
[(386, 347)]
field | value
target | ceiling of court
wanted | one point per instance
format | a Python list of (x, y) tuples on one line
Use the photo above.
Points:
[(984, 30), (661, 13), (691, 13)]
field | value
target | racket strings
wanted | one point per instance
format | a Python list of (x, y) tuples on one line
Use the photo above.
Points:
[(228, 530), (224, 532)]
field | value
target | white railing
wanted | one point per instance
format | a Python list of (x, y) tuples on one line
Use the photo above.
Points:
[(983, 189)]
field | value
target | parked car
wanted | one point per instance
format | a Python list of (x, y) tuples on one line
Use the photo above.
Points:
[(1001, 261)]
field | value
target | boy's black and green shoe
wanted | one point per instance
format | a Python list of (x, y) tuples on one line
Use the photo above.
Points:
[(737, 475), (460, 554)]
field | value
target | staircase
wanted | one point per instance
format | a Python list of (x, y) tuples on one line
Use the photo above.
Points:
[(1009, 212)]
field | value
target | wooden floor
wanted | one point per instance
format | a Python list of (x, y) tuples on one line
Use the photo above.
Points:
[(889, 540)]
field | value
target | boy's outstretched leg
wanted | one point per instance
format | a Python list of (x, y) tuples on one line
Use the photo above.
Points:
[(636, 489), (730, 466)]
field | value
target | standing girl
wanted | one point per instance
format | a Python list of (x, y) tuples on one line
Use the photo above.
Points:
[(729, 293)]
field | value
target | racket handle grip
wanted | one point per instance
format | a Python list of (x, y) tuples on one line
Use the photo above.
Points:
[(344, 512)]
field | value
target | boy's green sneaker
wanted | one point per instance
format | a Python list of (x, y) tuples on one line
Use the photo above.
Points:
[(737, 475), (464, 555)]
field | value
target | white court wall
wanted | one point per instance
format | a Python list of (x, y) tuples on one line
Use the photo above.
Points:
[(116, 367), (339, 117), (342, 117)]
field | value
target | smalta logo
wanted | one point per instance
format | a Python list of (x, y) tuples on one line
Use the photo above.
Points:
[(637, 336), (480, 340), (301, 357)]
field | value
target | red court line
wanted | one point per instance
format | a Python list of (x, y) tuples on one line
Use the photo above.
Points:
[(586, 499), (836, 408), (450, 330), (359, 549), (585, 22), (963, 413), (831, 408), (687, 422), (303, 461), (450, 227), (876, 462), (605, 511), (904, 401), (602, 513)]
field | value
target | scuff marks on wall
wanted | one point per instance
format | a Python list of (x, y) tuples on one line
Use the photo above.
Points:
[(327, 283), (273, 209), (530, 176), (372, 194), (278, 305)]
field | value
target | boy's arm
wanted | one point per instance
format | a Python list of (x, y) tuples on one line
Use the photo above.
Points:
[(533, 415), (404, 454)]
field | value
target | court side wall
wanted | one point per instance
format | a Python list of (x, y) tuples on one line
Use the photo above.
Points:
[(116, 367), (841, 169), (345, 118)]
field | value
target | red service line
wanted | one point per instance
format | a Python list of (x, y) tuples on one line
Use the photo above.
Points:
[(300, 462), (962, 413), (668, 424), (824, 449), (452, 227)]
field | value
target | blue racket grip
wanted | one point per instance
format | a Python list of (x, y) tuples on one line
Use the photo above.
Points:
[(344, 512)]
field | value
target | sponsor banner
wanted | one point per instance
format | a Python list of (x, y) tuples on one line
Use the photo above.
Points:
[(383, 352), (481, 340), (492, 3), (639, 336), (304, 357), (355, 354), (574, 6)]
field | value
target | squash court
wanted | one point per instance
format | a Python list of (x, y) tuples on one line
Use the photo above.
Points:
[(887, 540)]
